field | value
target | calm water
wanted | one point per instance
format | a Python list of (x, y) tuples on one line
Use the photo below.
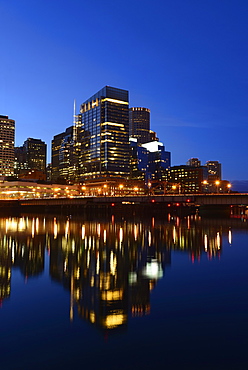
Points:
[(123, 294)]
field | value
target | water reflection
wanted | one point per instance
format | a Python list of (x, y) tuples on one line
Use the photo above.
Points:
[(109, 268)]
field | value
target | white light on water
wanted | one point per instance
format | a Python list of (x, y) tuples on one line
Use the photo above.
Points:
[(153, 270)]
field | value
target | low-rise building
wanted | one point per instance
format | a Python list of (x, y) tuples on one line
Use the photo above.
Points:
[(186, 179), (26, 189)]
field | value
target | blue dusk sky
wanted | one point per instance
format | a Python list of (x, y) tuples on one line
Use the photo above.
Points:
[(186, 60)]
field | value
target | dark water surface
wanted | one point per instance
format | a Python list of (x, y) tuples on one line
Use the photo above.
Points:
[(123, 294)]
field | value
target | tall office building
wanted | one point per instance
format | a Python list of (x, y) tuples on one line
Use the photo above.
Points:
[(20, 164), (63, 155), (103, 133), (149, 160), (35, 154), (159, 160), (7, 139), (139, 124), (30, 159), (153, 136)]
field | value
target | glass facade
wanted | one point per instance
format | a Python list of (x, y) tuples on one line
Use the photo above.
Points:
[(148, 161), (35, 154), (62, 155), (102, 130), (139, 124)]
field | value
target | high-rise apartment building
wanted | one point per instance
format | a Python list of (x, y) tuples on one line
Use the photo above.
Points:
[(103, 133), (214, 170), (139, 124), (7, 139), (193, 162)]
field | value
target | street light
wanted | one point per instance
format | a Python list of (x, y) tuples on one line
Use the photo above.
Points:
[(83, 190), (105, 189), (217, 183), (205, 183), (121, 187), (136, 189), (175, 187), (229, 187), (149, 187)]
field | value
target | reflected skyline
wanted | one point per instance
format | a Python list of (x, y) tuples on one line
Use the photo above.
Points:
[(109, 268)]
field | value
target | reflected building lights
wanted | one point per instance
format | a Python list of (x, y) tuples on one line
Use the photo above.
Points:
[(205, 242), (33, 228), (98, 230), (218, 240), (230, 236), (55, 229), (153, 270), (174, 235), (149, 238), (106, 281), (188, 222), (135, 232), (37, 225), (121, 235), (67, 228), (83, 232), (97, 264)]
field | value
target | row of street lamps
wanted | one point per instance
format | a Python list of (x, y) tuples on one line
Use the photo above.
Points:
[(121, 189)]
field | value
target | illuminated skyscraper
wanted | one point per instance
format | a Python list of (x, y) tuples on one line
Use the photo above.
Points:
[(30, 159), (35, 154), (62, 156), (20, 164), (7, 138), (103, 134), (139, 124)]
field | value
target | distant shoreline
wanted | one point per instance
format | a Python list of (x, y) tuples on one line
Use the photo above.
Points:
[(240, 185)]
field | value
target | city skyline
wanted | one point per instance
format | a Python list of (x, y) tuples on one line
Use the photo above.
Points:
[(184, 62)]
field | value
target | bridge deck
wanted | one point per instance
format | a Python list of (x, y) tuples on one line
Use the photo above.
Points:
[(197, 199)]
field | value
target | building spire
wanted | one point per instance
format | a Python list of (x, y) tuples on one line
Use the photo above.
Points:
[(74, 120), (74, 109)]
